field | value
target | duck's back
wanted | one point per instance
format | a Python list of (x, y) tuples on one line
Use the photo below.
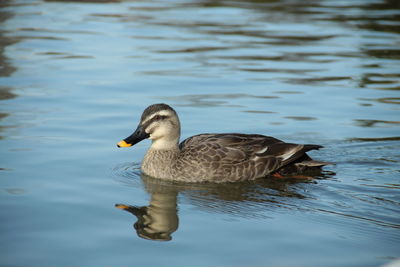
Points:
[(248, 142), (227, 157)]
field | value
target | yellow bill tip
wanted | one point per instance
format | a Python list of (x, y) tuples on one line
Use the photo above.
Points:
[(121, 206), (123, 144)]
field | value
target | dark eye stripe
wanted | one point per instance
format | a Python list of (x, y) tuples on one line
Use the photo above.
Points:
[(159, 117), (155, 118)]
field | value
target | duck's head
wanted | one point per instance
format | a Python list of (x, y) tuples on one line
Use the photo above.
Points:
[(159, 123)]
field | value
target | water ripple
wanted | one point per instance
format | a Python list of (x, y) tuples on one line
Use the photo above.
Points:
[(127, 173)]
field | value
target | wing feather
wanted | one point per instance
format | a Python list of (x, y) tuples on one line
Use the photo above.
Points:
[(242, 156)]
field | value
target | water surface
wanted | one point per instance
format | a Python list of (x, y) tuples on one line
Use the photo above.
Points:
[(76, 75)]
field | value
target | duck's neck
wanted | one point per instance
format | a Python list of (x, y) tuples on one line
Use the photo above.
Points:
[(158, 162), (164, 144)]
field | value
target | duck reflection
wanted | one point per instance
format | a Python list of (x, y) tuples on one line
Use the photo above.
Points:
[(159, 220)]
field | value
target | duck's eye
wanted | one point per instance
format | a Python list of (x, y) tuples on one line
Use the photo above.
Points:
[(159, 117)]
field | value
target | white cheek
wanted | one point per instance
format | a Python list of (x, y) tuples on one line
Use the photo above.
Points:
[(158, 132)]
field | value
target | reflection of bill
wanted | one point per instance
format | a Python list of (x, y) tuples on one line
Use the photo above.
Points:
[(158, 220)]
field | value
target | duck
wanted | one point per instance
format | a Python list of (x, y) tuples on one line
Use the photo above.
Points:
[(214, 157)]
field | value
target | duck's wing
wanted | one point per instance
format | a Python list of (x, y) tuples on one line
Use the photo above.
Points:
[(225, 149), (250, 142), (254, 155), (194, 140)]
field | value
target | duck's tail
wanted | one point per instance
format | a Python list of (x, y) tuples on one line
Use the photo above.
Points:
[(300, 162)]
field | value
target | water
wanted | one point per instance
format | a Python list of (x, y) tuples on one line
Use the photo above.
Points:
[(75, 77)]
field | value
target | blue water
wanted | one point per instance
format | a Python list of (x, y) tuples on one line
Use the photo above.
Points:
[(76, 75)]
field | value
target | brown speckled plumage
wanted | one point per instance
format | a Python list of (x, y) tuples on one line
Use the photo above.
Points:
[(215, 157)]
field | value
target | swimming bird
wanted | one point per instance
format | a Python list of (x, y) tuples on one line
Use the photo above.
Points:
[(209, 157)]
